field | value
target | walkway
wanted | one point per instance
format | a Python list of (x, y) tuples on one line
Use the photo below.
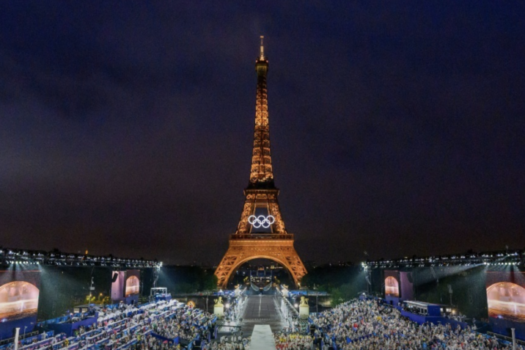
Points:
[(262, 310), (262, 338)]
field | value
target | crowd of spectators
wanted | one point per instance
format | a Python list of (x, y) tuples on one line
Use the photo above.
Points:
[(186, 323), (156, 326), (371, 325), (229, 343), (284, 341)]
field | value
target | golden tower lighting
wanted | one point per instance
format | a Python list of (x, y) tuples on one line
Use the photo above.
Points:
[(248, 243)]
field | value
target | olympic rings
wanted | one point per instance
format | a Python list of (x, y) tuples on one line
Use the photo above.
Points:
[(261, 221)]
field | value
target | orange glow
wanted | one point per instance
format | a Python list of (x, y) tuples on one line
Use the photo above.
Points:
[(261, 192), (391, 287), (132, 286), (18, 299), (506, 299)]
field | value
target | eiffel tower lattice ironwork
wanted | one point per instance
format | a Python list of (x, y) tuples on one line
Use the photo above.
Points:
[(249, 243)]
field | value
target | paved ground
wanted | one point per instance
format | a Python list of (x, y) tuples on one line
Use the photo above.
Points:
[(262, 309), (262, 338)]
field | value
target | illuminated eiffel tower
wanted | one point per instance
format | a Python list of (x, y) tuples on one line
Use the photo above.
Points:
[(261, 233)]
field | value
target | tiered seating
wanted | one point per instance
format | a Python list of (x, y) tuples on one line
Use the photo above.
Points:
[(368, 324), (119, 328)]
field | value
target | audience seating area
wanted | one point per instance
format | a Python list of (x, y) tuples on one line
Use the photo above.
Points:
[(370, 324), (157, 325)]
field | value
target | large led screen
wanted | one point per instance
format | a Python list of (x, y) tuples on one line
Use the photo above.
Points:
[(117, 285), (392, 284), (18, 294), (506, 300), (125, 284), (132, 283), (391, 287), (407, 286), (506, 295)]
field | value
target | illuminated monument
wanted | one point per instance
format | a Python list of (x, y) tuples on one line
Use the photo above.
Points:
[(261, 233)]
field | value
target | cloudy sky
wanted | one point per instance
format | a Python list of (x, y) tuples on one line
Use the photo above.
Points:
[(397, 127)]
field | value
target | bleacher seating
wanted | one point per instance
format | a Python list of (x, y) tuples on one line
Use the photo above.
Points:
[(119, 327)]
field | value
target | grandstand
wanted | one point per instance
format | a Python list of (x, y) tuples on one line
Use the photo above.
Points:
[(485, 289), (370, 323), (123, 326)]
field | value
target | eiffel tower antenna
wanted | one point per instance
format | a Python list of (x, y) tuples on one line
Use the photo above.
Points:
[(261, 57)]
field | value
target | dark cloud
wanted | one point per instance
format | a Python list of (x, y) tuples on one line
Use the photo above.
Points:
[(396, 128)]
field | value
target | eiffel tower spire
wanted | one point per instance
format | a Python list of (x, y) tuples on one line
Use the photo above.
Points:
[(261, 174)]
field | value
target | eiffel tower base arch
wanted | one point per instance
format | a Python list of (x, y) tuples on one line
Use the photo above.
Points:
[(243, 248)]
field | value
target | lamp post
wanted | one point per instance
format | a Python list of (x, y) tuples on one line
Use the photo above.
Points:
[(17, 330), (317, 302)]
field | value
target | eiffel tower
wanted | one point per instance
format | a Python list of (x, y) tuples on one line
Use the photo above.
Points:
[(261, 233)]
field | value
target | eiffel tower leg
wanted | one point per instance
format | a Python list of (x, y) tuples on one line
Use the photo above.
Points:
[(275, 211), (244, 250), (249, 209), (225, 269)]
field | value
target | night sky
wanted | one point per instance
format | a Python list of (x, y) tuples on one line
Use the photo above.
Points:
[(397, 127)]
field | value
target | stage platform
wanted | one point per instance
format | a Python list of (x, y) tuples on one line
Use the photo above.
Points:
[(262, 338), (262, 310)]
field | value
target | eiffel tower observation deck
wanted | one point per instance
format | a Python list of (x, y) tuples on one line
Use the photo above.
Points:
[(261, 232)]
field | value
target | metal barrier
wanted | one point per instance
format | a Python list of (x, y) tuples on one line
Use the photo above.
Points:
[(505, 338)]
